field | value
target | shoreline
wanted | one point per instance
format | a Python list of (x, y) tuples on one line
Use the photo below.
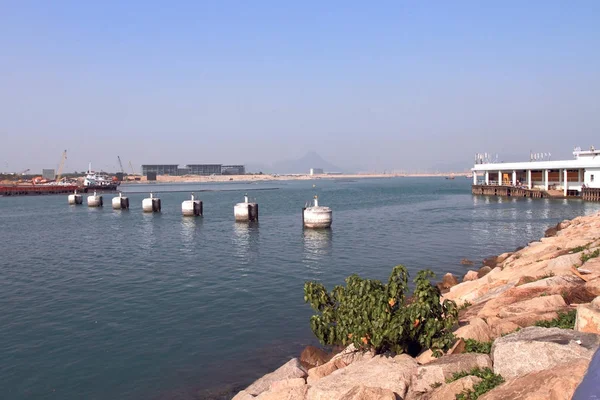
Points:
[(276, 177), (517, 299)]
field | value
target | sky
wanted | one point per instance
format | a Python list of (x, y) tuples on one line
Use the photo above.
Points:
[(371, 86)]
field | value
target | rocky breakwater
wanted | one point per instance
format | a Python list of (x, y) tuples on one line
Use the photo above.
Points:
[(527, 329)]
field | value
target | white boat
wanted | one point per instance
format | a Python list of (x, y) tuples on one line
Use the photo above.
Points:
[(98, 180)]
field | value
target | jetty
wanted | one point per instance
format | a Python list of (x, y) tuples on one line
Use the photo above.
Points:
[(540, 177)]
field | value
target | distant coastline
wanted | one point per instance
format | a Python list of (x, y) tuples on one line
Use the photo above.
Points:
[(288, 177)]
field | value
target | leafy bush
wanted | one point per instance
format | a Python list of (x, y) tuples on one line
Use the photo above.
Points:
[(489, 381), (464, 305), (565, 320), (372, 315), (475, 346)]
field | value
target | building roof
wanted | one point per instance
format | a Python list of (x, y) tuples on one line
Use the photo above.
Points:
[(583, 159)]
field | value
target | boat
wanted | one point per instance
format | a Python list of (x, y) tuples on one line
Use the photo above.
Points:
[(98, 181), (450, 177)]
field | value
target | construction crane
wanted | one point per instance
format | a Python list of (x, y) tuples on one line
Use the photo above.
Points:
[(61, 165), (132, 170), (121, 165), (24, 172)]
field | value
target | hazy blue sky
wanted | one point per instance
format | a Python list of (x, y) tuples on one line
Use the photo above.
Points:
[(381, 85)]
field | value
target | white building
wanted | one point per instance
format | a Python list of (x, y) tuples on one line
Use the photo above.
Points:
[(316, 171), (565, 175)]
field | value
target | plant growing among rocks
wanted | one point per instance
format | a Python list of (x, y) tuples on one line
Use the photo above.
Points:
[(378, 316), (489, 381)]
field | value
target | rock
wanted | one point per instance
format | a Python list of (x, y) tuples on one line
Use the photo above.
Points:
[(501, 327), (287, 393), (427, 356), (449, 280), (313, 357), (529, 319), (588, 318), (450, 390), (393, 373), (445, 367), (551, 232), (593, 286), (346, 357), (525, 279), (243, 395), (535, 349), (558, 383), (491, 262), (577, 295), (477, 329), (362, 392), (471, 276), (596, 302), (562, 265), (291, 369), (502, 257), (563, 281), (483, 271), (466, 261), (563, 225), (287, 383), (458, 347), (535, 305)]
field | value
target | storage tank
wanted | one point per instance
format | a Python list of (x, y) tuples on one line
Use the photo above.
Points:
[(75, 198), (317, 217), (246, 211), (191, 208), (95, 200), (120, 202), (151, 204)]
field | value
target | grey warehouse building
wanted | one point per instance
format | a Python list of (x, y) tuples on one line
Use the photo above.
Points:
[(193, 169)]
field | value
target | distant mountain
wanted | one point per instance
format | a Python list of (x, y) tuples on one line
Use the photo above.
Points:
[(299, 166)]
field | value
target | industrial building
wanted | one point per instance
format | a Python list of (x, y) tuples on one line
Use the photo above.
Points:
[(193, 169), (233, 170), (316, 171), (160, 169)]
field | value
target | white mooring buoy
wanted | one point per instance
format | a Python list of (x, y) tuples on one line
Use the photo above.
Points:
[(95, 200), (246, 211), (120, 202), (191, 208), (317, 217), (75, 198), (151, 204)]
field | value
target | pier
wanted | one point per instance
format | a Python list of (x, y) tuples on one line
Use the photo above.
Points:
[(590, 194), (507, 191)]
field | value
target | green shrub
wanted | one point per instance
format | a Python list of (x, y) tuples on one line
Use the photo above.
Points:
[(378, 316), (464, 305), (579, 249), (565, 320), (475, 346), (489, 381), (585, 257)]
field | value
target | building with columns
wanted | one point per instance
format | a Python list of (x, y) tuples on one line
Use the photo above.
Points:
[(568, 176)]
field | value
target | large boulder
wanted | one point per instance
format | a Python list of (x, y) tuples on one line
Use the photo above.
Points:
[(313, 357), (393, 373), (476, 329), (286, 393), (535, 349), (448, 281), (435, 372), (483, 271), (536, 305), (346, 357), (291, 369), (243, 395), (563, 264), (470, 276), (588, 317), (500, 327), (450, 390), (558, 383), (362, 392), (564, 281)]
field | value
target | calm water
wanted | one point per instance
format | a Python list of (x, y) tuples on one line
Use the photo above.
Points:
[(103, 304)]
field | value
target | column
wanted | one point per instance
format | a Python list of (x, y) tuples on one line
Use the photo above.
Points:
[(499, 177), (529, 183), (566, 185), (514, 178), (580, 176), (474, 177), (487, 177), (546, 179)]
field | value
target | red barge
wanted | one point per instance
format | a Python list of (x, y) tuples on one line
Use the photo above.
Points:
[(34, 190)]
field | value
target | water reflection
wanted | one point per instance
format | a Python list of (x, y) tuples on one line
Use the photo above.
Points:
[(317, 247), (245, 241), (146, 232), (189, 233)]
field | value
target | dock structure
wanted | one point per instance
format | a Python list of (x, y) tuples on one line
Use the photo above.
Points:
[(540, 177)]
